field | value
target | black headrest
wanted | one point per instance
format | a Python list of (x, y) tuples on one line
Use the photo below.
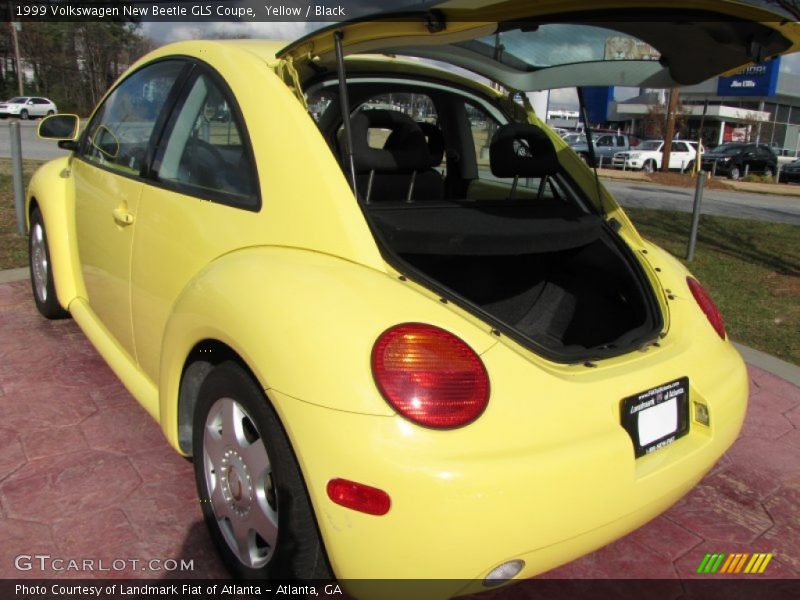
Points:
[(405, 150), (520, 149), (433, 137)]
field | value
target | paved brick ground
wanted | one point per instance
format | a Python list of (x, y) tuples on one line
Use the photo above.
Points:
[(85, 473)]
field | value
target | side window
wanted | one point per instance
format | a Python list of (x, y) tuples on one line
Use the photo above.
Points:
[(605, 140), (679, 147), (120, 131), (483, 127), (620, 140), (206, 154)]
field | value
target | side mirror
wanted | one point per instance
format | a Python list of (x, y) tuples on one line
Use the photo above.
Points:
[(59, 127)]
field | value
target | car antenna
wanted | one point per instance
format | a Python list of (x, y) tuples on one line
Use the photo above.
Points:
[(590, 148), (344, 102)]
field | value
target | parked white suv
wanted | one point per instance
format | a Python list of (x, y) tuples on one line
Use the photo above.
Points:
[(25, 107), (648, 155)]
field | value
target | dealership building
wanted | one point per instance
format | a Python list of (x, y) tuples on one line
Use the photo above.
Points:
[(760, 103)]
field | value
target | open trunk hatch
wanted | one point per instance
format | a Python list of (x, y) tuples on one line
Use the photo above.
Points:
[(614, 42)]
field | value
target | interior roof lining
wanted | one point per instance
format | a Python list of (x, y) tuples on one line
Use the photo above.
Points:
[(724, 43)]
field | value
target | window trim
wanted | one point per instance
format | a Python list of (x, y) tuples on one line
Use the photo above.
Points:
[(254, 202), (158, 125)]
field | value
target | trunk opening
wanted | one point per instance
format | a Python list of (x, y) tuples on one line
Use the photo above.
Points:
[(544, 273)]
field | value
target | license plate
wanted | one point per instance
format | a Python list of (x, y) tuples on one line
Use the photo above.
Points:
[(657, 417)]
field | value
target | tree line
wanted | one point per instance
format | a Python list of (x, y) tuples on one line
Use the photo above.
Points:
[(73, 64)]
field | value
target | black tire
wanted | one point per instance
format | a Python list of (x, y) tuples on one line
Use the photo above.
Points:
[(42, 284), (23, 114), (248, 494), (50, 113), (689, 167), (649, 167)]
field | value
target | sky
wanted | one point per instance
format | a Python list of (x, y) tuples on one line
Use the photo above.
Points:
[(165, 32)]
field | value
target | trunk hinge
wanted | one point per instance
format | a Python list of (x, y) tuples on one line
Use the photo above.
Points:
[(286, 70)]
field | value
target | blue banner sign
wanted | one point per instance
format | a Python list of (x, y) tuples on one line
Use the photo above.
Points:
[(755, 80), (597, 99)]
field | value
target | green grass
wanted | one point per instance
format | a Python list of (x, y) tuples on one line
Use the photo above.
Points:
[(751, 268), (13, 247)]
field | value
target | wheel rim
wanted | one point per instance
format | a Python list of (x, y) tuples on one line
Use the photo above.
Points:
[(39, 265), (24, 114), (768, 172), (734, 173), (648, 167), (238, 475)]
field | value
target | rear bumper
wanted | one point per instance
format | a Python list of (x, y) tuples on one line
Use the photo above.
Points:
[(537, 487)]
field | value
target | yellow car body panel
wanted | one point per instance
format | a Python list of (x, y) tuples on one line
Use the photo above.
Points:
[(300, 292), (51, 190), (106, 245), (291, 329)]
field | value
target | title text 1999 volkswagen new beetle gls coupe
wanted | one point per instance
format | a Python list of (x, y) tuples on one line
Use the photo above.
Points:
[(400, 327)]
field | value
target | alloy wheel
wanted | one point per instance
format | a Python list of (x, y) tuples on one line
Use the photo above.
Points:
[(238, 474), (39, 264)]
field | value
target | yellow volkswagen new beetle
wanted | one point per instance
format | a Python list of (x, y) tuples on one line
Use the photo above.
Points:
[(401, 328)]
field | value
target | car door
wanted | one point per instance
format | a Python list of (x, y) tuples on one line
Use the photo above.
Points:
[(108, 182), (679, 156), (605, 146), (764, 155), (198, 204)]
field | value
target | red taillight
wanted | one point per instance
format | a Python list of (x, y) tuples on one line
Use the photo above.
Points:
[(430, 376), (358, 496), (707, 306)]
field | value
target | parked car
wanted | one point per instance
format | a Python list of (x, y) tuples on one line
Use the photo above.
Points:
[(790, 172), (574, 138), (606, 145), (381, 372), (25, 107), (649, 155), (731, 159)]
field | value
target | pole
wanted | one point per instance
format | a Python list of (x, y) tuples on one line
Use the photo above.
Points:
[(698, 200), (698, 159), (671, 109), (16, 171), (17, 61)]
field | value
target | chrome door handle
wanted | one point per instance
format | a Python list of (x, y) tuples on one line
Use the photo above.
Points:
[(122, 216)]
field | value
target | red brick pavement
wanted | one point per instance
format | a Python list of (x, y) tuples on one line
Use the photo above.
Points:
[(86, 474)]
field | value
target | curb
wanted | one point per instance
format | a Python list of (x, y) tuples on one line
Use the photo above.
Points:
[(762, 360), (769, 363), (10, 275)]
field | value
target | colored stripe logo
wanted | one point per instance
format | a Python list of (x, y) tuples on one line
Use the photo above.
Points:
[(719, 562)]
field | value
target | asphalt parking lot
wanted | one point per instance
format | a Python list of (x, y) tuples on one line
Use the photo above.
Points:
[(32, 146), (86, 474)]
